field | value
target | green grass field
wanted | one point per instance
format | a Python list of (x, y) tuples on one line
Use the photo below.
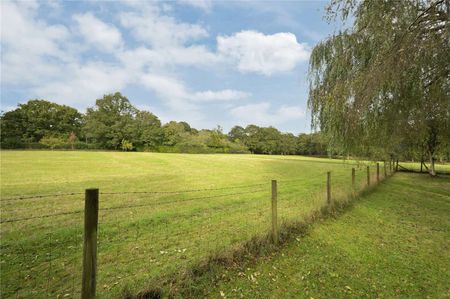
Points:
[(224, 200), (392, 243), (142, 236)]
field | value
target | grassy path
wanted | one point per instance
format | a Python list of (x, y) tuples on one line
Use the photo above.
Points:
[(392, 243)]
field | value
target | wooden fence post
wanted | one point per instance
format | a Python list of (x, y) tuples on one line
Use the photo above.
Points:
[(329, 201), (368, 175), (385, 171), (90, 244), (396, 166), (378, 172), (353, 180), (274, 213)]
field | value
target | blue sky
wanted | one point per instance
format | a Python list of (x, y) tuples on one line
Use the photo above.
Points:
[(205, 62)]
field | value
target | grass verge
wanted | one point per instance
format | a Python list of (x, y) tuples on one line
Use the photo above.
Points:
[(391, 243), (192, 282)]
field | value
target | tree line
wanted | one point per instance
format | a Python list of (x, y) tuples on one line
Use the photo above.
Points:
[(113, 123)]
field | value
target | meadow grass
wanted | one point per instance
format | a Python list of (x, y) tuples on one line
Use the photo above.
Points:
[(144, 236), (390, 243)]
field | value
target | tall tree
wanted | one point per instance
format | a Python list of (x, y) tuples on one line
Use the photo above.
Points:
[(110, 121), (147, 130), (237, 133), (382, 85)]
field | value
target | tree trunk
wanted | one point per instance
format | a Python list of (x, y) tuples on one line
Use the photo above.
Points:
[(432, 169)]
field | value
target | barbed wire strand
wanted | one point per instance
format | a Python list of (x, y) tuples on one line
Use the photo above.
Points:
[(120, 207), (302, 179), (42, 216), (183, 191), (20, 197), (41, 196), (174, 201)]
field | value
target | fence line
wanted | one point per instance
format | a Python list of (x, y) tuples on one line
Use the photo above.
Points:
[(174, 201), (201, 224), (131, 192)]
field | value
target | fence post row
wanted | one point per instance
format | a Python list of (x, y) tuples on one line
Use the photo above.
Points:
[(353, 179), (329, 202), (378, 172), (368, 175), (274, 212), (90, 244)]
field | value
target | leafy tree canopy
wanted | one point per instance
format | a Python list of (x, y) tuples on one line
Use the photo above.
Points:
[(381, 86), (38, 118)]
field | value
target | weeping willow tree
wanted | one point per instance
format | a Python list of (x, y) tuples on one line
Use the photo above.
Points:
[(380, 87)]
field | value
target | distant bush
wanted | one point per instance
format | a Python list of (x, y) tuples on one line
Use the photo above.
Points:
[(53, 142)]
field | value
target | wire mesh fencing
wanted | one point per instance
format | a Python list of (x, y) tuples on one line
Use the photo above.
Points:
[(41, 246), (145, 235)]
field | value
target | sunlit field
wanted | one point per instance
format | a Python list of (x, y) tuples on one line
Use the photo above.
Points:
[(392, 243), (159, 213)]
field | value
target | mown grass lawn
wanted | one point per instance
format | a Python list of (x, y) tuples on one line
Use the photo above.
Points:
[(143, 236), (392, 243)]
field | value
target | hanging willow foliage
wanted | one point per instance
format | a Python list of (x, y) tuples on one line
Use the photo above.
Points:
[(381, 87)]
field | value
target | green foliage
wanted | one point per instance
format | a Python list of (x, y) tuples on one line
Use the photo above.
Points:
[(36, 119), (147, 130), (126, 145), (174, 132), (110, 121), (381, 86), (52, 142), (114, 123)]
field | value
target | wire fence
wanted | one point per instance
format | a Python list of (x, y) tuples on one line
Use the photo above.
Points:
[(144, 234)]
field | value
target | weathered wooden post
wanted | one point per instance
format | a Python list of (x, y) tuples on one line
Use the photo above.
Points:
[(274, 213), (368, 175), (329, 200), (378, 172), (353, 180), (90, 244), (384, 167)]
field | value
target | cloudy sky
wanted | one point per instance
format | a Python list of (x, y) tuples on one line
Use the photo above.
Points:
[(205, 62)]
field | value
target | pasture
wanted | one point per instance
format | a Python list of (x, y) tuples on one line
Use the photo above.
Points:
[(159, 213)]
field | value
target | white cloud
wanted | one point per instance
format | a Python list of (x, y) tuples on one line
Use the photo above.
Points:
[(178, 96), (195, 55), (80, 85), (264, 115), (265, 54), (157, 30), (205, 5), (29, 45), (104, 37), (46, 60), (219, 96)]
